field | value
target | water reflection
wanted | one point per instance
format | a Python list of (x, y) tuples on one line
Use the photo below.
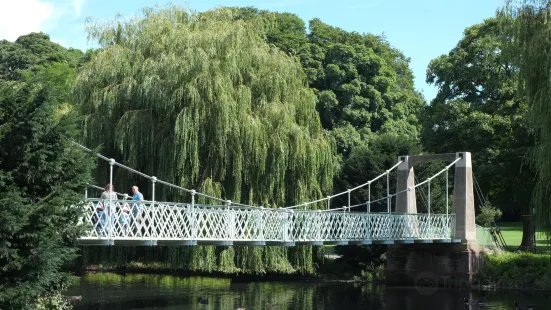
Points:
[(139, 291)]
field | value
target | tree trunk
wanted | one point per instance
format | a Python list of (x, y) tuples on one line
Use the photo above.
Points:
[(528, 243)]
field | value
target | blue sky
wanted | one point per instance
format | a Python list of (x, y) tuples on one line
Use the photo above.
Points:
[(421, 29)]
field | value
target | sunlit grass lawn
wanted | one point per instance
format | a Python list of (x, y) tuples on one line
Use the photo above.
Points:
[(512, 233)]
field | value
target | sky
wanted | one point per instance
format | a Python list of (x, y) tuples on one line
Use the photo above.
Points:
[(421, 29)]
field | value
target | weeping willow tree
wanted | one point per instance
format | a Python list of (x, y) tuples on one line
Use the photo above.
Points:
[(200, 100), (529, 22)]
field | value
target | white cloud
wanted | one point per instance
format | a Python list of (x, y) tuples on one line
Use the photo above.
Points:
[(77, 6), (20, 17)]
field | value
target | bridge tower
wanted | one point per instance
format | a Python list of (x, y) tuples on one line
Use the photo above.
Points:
[(446, 264), (463, 194)]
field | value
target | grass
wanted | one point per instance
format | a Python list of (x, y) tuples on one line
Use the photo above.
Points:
[(512, 233)]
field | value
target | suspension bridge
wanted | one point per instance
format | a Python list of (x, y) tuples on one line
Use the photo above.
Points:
[(156, 223)]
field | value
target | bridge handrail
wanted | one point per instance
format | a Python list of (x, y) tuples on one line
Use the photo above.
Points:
[(158, 204)]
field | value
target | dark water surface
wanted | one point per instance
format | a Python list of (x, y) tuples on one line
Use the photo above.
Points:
[(146, 291)]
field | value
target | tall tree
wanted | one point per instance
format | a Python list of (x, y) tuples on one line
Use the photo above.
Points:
[(31, 50), (528, 24), (362, 83), (477, 109), (364, 88), (41, 174), (203, 102)]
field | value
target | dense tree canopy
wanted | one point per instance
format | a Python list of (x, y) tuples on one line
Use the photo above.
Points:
[(41, 174), (363, 84), (477, 109), (31, 50)]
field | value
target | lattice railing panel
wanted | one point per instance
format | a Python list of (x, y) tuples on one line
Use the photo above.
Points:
[(175, 221)]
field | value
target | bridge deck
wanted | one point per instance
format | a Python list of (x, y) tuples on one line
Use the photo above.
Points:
[(178, 224)]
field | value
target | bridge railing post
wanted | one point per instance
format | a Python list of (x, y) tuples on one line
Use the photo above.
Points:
[(348, 190), (368, 196), (344, 223), (153, 211), (430, 228), (291, 226), (193, 231), (319, 225), (231, 222), (368, 227), (388, 191), (260, 224), (110, 207), (285, 226)]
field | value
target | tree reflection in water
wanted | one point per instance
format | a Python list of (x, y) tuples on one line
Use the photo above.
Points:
[(147, 291)]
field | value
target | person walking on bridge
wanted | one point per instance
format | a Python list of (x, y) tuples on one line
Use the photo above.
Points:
[(108, 211), (137, 197)]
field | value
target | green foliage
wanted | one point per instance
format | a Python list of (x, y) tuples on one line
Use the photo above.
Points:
[(204, 259), (370, 160), (284, 30), (226, 259), (52, 302), (362, 81), (515, 270), (363, 85), (373, 273), (202, 101), (488, 215), (41, 181), (528, 23), (31, 50), (477, 109), (223, 108)]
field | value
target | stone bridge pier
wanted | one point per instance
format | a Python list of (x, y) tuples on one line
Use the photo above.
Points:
[(443, 264)]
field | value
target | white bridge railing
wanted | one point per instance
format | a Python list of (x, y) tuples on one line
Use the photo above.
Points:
[(127, 222)]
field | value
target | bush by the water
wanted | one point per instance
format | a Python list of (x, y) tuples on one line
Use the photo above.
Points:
[(517, 270)]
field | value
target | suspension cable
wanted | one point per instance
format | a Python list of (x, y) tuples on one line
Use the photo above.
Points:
[(113, 162), (351, 190), (328, 198), (479, 191), (407, 189), (101, 188), (422, 192)]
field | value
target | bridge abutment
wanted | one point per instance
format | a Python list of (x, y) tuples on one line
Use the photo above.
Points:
[(427, 266)]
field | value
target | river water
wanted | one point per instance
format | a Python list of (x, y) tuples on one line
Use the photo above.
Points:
[(146, 291)]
